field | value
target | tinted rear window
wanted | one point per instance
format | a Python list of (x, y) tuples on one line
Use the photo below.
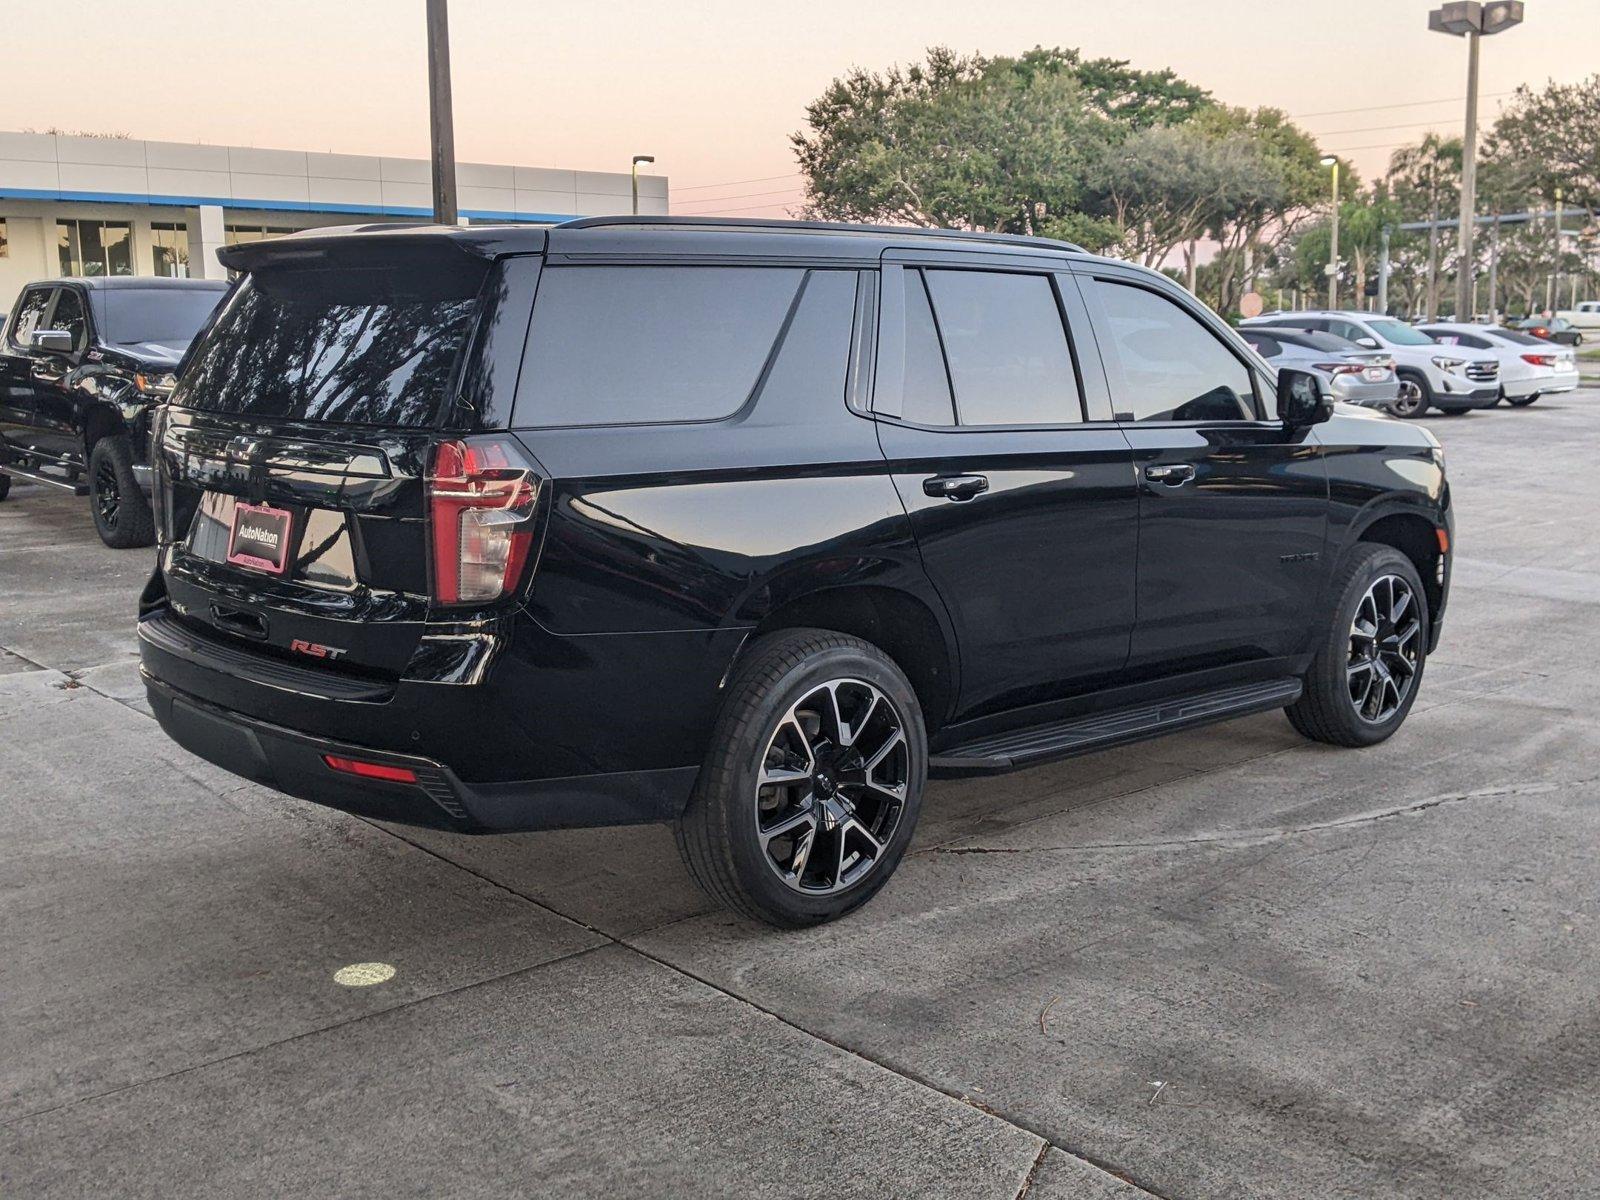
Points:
[(363, 345), (166, 316), (633, 345)]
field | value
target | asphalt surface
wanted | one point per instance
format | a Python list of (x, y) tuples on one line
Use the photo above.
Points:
[(1226, 964)]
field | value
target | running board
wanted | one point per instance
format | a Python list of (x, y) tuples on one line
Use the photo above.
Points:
[(71, 485), (1018, 748)]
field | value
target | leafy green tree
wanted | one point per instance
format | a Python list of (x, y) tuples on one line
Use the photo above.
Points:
[(1007, 144), (1551, 138)]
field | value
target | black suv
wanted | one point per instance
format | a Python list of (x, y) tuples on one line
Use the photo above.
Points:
[(751, 527), (82, 363)]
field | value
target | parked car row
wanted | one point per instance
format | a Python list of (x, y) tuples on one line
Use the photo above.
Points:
[(1438, 365)]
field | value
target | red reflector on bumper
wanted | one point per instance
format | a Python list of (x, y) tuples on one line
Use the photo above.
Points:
[(369, 770), (1444, 541)]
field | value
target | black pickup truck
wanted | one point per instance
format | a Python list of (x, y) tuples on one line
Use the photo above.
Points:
[(81, 363)]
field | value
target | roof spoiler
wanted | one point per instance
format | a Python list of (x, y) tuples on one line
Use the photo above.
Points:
[(356, 242)]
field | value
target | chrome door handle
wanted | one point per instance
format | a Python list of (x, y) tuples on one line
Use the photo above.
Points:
[(955, 487), (1171, 474)]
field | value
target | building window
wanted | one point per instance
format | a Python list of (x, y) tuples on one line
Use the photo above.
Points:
[(95, 247), (234, 234), (169, 249)]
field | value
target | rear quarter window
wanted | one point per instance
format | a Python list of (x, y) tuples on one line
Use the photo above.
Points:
[(644, 345)]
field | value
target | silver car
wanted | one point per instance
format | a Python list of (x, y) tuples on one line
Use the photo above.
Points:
[(1352, 374)]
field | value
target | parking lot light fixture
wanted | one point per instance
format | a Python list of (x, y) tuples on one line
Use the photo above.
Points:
[(637, 159), (1472, 20), (1329, 160)]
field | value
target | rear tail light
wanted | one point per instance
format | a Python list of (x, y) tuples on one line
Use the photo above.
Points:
[(481, 501), (1340, 368), (1540, 360)]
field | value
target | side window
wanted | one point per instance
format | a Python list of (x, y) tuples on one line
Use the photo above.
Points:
[(926, 396), (29, 313), (1164, 364), (633, 345), (1009, 359), (69, 315), (1346, 329)]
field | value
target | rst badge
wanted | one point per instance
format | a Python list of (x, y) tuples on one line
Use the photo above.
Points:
[(315, 649)]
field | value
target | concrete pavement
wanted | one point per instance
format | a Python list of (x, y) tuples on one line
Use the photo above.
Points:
[(1226, 964)]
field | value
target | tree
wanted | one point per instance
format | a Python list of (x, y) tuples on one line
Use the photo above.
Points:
[(1550, 139), (1273, 183), (1006, 144)]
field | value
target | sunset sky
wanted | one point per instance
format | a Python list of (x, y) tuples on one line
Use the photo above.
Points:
[(714, 88)]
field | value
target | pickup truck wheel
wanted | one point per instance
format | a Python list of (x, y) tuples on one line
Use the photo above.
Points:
[(811, 789), (1413, 399), (1365, 676), (122, 515)]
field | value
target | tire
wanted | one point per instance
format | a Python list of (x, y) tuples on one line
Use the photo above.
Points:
[(734, 836), (1328, 710), (5, 485), (122, 515), (1413, 401), (1522, 401)]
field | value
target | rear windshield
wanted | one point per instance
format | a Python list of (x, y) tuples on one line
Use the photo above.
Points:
[(358, 345), (165, 316), (1520, 338)]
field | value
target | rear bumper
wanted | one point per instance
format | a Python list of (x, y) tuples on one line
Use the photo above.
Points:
[(292, 762), (1366, 395)]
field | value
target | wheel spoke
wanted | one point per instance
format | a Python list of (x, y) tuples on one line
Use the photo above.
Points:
[(802, 853), (783, 776), (871, 764), (806, 816), (850, 731)]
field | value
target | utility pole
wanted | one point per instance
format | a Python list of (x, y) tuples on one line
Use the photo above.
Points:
[(1494, 272), (1474, 21), (441, 122), (634, 170), (1329, 160), (1383, 269), (1433, 242), (1552, 296)]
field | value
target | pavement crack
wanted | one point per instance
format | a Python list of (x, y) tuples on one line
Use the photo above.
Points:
[(1033, 1172), (1247, 837)]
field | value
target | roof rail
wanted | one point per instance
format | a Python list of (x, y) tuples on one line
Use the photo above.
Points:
[(970, 235)]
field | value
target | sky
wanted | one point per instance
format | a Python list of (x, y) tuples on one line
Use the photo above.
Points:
[(714, 88)]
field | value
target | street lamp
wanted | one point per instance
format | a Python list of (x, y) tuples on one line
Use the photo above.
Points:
[(1472, 20), (637, 159), (1328, 160)]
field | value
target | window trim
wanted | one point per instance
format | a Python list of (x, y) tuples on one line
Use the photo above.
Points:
[(1206, 319), (88, 318), (891, 334)]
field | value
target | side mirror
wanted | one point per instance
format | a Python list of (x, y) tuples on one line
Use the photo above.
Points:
[(1301, 401), (58, 340), (1367, 343)]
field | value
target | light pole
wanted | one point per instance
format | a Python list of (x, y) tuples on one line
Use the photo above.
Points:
[(1552, 291), (1472, 20), (637, 159), (441, 123), (1328, 160)]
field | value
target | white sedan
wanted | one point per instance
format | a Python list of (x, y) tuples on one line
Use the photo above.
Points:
[(1530, 367)]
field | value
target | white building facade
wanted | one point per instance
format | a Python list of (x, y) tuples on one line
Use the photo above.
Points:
[(115, 206)]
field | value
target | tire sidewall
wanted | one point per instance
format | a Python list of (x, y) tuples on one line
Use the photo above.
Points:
[(756, 877), (134, 525), (1376, 562)]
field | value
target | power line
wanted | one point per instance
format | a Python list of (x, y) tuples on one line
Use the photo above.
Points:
[(740, 208), (695, 187), (1381, 128), (1339, 112), (746, 196)]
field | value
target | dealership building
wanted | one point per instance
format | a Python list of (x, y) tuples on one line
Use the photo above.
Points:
[(114, 206)]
